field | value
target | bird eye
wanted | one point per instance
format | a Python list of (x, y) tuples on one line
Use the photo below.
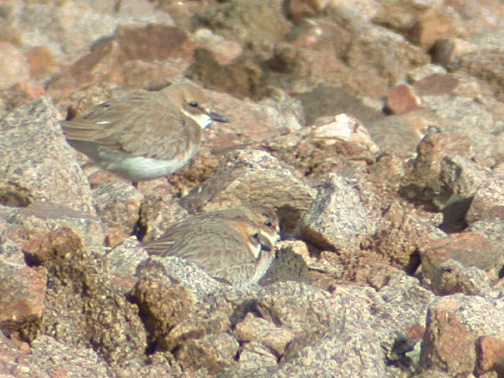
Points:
[(256, 235), (194, 104), (268, 224)]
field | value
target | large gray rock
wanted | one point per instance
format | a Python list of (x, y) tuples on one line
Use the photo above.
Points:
[(36, 164), (338, 219)]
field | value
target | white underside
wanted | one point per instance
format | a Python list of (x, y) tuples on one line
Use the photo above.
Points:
[(138, 168)]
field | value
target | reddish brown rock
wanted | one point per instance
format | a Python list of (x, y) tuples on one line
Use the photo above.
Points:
[(447, 344), (106, 61), (468, 248), (41, 61), (402, 99), (45, 249), (401, 232), (490, 354), (22, 300)]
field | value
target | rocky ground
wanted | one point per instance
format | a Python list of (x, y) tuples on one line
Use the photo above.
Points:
[(375, 128)]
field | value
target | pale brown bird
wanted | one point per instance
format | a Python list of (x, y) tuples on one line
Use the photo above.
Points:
[(233, 245), (145, 135)]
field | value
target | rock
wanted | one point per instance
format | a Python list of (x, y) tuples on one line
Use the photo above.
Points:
[(329, 100), (163, 303), (424, 184), (122, 262), (46, 171), (337, 219), (158, 211), (290, 263), (118, 206), (29, 226), (14, 66), (71, 27), (447, 345), (401, 99), (490, 353), (347, 131), (453, 277), (403, 133), (277, 304), (178, 270), (468, 248), (487, 203), (401, 232), (253, 355), (252, 176), (213, 352), (341, 346), (49, 357), (461, 178), (468, 118), (21, 300), (254, 329), (434, 24), (83, 308), (247, 21), (165, 50)]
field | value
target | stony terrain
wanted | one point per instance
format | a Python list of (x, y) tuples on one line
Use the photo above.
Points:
[(375, 128)]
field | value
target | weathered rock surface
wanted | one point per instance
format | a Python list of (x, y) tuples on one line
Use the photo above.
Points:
[(37, 164), (373, 127)]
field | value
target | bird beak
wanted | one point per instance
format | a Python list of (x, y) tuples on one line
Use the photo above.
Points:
[(218, 118)]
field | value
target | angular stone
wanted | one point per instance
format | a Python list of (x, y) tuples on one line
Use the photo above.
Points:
[(46, 171), (403, 132), (82, 307), (402, 99), (453, 277), (111, 60), (213, 352), (254, 355), (252, 176), (401, 233), (488, 201), (247, 20), (468, 248), (41, 218), (337, 218), (118, 206), (447, 344), (163, 304), (21, 300), (490, 354), (260, 330)]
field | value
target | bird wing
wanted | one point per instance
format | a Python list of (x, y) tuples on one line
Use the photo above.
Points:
[(141, 124)]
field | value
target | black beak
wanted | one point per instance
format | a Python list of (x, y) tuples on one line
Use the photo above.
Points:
[(218, 117)]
